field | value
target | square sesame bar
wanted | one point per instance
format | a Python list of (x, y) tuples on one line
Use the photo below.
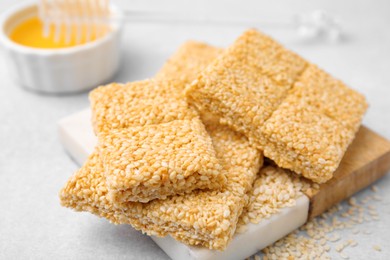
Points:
[(143, 163), (204, 217), (138, 103), (313, 127), (246, 83), (300, 138)]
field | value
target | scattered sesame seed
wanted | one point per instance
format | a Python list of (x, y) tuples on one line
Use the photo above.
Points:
[(377, 248), (305, 241), (374, 188), (339, 247), (352, 201), (373, 213), (353, 243), (336, 237)]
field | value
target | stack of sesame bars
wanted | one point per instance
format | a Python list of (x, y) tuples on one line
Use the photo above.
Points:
[(182, 154)]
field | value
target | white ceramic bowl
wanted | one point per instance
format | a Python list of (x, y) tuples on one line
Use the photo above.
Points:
[(65, 70)]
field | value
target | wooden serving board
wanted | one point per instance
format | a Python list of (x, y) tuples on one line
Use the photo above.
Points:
[(366, 160)]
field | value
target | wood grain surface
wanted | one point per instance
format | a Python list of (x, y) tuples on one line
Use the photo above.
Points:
[(366, 160)]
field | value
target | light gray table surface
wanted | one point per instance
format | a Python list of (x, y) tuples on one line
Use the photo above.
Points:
[(34, 165)]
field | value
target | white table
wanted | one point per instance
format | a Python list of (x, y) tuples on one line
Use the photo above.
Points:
[(34, 166)]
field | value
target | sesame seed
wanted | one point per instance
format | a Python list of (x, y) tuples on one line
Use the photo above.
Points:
[(334, 238), (339, 247), (352, 201), (353, 243), (374, 188)]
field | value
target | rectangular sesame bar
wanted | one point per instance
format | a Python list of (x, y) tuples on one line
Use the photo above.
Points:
[(143, 163), (204, 217), (299, 115), (160, 100), (246, 83), (313, 127), (138, 103)]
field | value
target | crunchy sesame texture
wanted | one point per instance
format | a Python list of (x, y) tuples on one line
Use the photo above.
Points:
[(330, 96), (86, 190), (246, 82), (274, 188), (188, 61), (186, 64), (299, 115), (153, 101), (206, 218), (138, 103), (308, 142), (155, 161), (313, 127)]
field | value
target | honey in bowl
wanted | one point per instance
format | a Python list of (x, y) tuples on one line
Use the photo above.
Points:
[(31, 33)]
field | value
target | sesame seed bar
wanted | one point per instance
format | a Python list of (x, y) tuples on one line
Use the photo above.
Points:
[(300, 116), (245, 84), (204, 217), (308, 142), (143, 163), (188, 61), (147, 102), (138, 103), (313, 127)]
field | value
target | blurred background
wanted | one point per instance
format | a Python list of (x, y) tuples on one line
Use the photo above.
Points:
[(34, 166)]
